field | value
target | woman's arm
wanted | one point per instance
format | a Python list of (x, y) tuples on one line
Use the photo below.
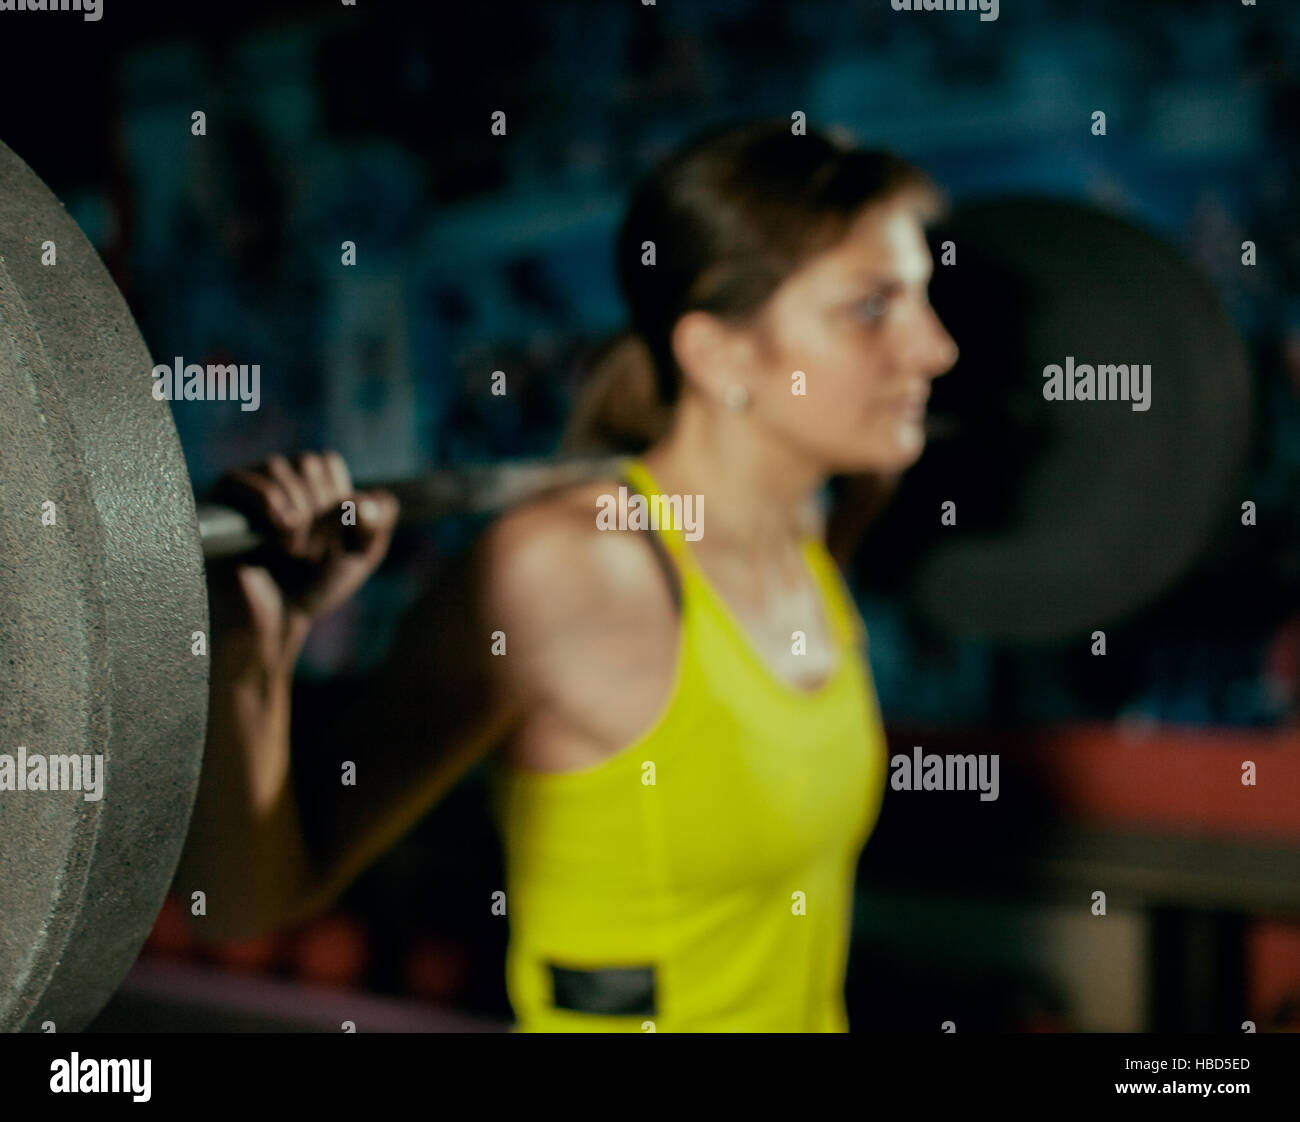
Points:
[(245, 849), (277, 835), (439, 704)]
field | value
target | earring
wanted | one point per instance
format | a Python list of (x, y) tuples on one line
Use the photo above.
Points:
[(736, 397)]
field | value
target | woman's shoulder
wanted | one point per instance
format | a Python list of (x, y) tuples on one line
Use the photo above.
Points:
[(550, 554), (557, 527), (586, 611)]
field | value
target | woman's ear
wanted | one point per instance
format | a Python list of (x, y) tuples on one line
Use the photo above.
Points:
[(711, 353)]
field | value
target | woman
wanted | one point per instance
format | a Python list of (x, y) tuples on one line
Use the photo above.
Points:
[(689, 755)]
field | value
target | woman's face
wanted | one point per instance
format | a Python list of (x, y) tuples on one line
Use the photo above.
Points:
[(856, 320)]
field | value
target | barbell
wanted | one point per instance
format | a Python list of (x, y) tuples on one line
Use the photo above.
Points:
[(226, 532), (102, 546)]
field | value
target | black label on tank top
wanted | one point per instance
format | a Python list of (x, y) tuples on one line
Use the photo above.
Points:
[(614, 991)]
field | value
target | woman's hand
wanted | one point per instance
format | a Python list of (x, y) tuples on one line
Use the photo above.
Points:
[(327, 540)]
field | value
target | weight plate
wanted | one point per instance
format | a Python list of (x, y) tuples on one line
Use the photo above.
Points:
[(1070, 515), (96, 616)]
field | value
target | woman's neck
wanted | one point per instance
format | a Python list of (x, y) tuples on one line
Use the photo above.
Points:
[(758, 491)]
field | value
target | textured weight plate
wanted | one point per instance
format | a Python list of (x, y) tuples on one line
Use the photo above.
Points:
[(1070, 515), (96, 616)]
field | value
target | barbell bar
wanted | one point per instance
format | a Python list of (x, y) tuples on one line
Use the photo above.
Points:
[(482, 489)]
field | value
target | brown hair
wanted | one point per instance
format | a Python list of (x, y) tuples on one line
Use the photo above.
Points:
[(730, 214)]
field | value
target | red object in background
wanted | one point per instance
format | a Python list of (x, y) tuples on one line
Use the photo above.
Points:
[(436, 969), (333, 951), (1047, 1022), (175, 936), (171, 936), (1273, 947), (254, 956), (1169, 778)]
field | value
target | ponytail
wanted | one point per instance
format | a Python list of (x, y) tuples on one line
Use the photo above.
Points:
[(618, 407)]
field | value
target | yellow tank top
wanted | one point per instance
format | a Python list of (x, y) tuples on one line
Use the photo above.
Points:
[(701, 878)]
